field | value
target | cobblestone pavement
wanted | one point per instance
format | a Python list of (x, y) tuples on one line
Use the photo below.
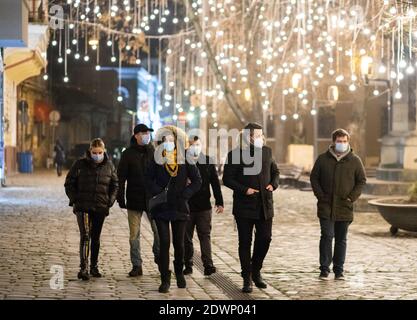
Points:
[(39, 231)]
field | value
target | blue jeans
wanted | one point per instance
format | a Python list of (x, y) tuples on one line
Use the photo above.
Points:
[(329, 230), (134, 218)]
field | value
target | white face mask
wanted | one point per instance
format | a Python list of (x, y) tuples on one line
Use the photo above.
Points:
[(169, 146), (341, 147), (195, 150), (258, 142), (146, 139), (97, 157)]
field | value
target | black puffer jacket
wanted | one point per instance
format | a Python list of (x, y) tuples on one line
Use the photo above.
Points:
[(132, 166), (90, 186)]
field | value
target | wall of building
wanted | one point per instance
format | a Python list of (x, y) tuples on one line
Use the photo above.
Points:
[(10, 124)]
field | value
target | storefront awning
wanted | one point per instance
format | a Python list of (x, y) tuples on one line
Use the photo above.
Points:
[(23, 63)]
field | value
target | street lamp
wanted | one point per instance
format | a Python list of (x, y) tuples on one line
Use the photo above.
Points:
[(333, 93), (247, 94), (295, 81), (366, 65)]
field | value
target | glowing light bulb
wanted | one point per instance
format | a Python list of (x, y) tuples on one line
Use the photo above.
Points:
[(296, 116), (86, 58), (398, 95), (376, 92), (283, 117), (98, 67), (313, 112), (45, 77), (60, 60), (120, 98), (382, 69), (66, 79), (352, 87), (77, 56), (113, 59), (54, 43)]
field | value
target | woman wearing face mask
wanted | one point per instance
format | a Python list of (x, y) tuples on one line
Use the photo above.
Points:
[(91, 186), (170, 170)]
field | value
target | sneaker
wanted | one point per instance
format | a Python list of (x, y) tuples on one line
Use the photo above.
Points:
[(324, 275), (188, 270), (339, 276), (95, 273), (209, 270), (136, 271)]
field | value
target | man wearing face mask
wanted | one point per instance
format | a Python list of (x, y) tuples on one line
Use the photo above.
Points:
[(337, 179), (131, 169), (201, 210), (252, 200)]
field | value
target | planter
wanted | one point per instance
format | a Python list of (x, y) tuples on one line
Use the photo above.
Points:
[(397, 213)]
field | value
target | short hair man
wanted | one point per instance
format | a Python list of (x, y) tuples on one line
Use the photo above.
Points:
[(337, 179)]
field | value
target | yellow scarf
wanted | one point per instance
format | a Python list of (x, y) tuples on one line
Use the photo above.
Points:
[(171, 164)]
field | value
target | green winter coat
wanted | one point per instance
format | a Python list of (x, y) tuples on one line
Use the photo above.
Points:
[(337, 184)]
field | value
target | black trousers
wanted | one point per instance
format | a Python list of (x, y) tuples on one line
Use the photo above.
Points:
[(202, 222), (178, 234), (59, 169), (329, 230), (263, 237), (90, 225)]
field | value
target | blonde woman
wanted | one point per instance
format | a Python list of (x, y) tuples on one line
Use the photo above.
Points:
[(91, 186), (181, 180)]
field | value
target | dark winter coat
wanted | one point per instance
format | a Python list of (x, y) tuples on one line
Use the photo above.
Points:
[(335, 182), (179, 191), (245, 206), (91, 186), (201, 200), (132, 166), (59, 154)]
